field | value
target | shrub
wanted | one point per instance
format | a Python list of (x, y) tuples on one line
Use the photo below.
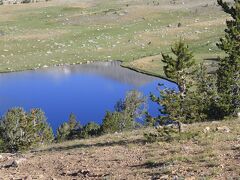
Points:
[(63, 132), (92, 129), (126, 113), (21, 130), (111, 122), (68, 130), (170, 133), (164, 133)]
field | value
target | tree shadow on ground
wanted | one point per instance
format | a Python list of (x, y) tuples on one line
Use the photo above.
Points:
[(104, 144), (150, 165), (156, 169)]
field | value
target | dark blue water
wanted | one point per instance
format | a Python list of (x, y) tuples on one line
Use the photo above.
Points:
[(85, 90)]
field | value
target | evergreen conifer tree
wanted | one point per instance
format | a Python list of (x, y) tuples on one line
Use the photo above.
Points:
[(21, 130), (72, 122), (63, 132), (228, 74), (178, 68), (177, 106)]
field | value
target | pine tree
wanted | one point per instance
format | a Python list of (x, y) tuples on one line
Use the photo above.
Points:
[(63, 132), (43, 132), (72, 122), (111, 122), (177, 106), (21, 130), (178, 68), (69, 130), (228, 74)]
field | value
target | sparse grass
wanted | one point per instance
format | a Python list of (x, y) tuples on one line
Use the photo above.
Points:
[(127, 155), (56, 33)]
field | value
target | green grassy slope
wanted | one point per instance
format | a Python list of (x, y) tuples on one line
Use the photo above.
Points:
[(59, 32)]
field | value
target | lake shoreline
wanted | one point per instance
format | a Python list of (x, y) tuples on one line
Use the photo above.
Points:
[(91, 62)]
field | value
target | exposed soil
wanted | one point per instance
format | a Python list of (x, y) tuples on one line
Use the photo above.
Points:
[(213, 154)]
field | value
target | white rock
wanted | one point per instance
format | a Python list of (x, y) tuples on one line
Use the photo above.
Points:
[(206, 129), (223, 129)]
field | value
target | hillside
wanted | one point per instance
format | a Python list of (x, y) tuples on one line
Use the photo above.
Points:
[(212, 153), (62, 32), (133, 34)]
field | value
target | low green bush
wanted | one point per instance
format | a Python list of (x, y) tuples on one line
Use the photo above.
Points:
[(22, 130)]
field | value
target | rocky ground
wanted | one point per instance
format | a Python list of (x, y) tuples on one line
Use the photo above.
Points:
[(206, 151)]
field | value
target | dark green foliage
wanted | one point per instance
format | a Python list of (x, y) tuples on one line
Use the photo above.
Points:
[(170, 133), (21, 130), (167, 133), (63, 132), (26, 1), (72, 121), (132, 107), (111, 122), (164, 133), (92, 129), (179, 68), (228, 74), (149, 120), (73, 130), (74, 126), (206, 90), (68, 130), (2, 146), (178, 106), (174, 108), (127, 111)]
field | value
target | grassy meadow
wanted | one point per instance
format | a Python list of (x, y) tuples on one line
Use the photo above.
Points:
[(73, 32)]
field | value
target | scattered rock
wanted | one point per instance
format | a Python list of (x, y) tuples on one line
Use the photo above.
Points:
[(197, 32), (164, 177), (12, 163), (206, 129), (18, 162), (236, 147), (84, 173), (190, 178), (28, 177), (223, 129), (2, 33)]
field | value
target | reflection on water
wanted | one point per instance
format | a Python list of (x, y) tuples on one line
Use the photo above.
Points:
[(86, 90), (111, 70)]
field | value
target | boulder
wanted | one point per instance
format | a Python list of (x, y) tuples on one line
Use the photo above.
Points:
[(206, 129), (223, 129), (12, 163)]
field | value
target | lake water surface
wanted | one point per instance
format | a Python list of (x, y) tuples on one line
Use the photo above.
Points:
[(86, 90)]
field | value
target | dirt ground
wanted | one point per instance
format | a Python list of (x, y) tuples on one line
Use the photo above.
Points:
[(213, 154)]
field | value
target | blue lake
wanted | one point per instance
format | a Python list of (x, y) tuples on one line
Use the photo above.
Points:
[(87, 90)]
